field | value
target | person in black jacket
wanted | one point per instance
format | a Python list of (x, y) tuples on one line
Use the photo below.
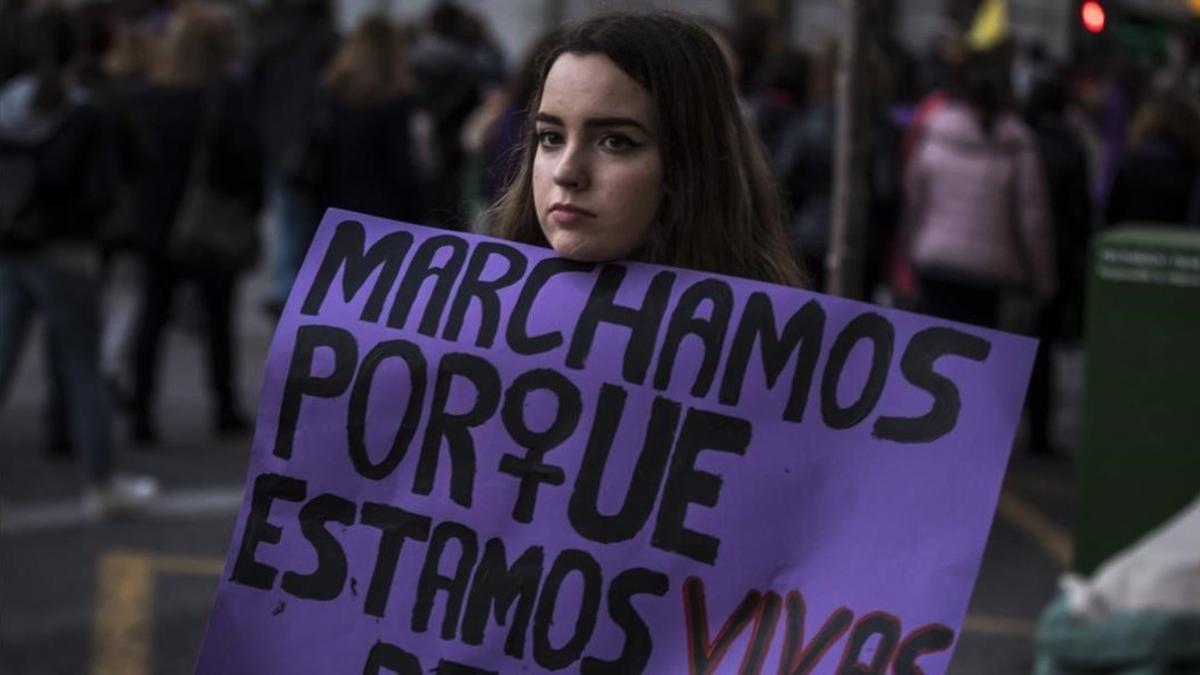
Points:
[(1157, 174), (295, 43), (360, 154), (59, 160), (447, 80), (188, 83), (1065, 161)]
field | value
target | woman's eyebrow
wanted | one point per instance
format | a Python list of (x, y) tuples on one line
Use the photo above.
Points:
[(616, 122), (595, 122)]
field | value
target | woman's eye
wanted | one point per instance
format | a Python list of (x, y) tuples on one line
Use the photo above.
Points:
[(549, 139), (617, 142)]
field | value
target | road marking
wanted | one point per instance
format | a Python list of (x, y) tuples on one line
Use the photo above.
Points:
[(1043, 486), (983, 624), (186, 564), (1054, 540), (124, 626), (64, 514), (124, 615)]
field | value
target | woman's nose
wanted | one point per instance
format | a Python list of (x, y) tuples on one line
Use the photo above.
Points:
[(572, 170)]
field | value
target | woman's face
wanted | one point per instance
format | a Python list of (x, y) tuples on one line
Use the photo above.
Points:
[(598, 171)]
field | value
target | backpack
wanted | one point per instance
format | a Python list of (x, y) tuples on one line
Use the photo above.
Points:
[(21, 220)]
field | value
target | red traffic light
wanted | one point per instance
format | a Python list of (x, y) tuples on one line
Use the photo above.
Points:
[(1092, 14)]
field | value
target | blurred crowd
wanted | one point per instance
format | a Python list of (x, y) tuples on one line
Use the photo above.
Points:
[(991, 163)]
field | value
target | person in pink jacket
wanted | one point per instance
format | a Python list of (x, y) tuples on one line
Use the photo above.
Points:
[(977, 218)]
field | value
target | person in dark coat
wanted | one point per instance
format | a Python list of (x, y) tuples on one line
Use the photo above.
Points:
[(295, 44), (504, 126), (447, 82), (1065, 164), (1157, 176), (57, 163), (13, 37), (189, 83), (361, 153)]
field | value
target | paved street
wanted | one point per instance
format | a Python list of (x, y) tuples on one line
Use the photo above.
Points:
[(132, 597)]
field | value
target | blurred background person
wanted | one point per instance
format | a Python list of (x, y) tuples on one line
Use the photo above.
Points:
[(1064, 158), (189, 81), (803, 119), (1156, 178), (295, 43), (112, 95), (976, 217), (756, 41), (125, 67), (360, 149), (795, 113), (1122, 86), (1031, 64), (448, 82), (13, 36), (496, 129), (932, 78), (58, 160), (112, 69), (476, 35)]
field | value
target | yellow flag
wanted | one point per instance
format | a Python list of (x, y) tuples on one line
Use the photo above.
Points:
[(990, 25)]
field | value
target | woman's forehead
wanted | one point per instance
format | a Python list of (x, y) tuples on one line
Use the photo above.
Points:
[(593, 85)]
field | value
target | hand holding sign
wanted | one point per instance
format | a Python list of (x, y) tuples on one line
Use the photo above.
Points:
[(475, 456)]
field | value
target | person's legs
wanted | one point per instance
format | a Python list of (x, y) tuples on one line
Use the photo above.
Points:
[(295, 222), (70, 302), (967, 303), (218, 295), (57, 413), (120, 323), (16, 306), (1041, 384), (158, 285)]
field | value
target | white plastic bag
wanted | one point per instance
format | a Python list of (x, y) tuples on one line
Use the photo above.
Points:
[(1159, 573)]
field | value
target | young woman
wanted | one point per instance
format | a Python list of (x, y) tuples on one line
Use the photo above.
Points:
[(639, 151)]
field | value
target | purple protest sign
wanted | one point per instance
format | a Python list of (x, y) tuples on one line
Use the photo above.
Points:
[(475, 457)]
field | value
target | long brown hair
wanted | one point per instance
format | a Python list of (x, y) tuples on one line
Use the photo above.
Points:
[(1167, 115), (199, 46), (721, 210), (369, 67)]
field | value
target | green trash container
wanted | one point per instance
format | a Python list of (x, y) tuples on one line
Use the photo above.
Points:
[(1139, 462)]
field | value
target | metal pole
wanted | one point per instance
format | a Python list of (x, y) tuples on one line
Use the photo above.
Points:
[(844, 262)]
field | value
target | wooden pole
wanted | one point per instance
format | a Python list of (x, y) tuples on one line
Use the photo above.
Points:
[(844, 261)]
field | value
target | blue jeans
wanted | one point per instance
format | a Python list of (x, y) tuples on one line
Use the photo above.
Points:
[(295, 221), (69, 302)]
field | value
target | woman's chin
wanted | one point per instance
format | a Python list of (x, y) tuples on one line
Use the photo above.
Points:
[(587, 251), (580, 252)]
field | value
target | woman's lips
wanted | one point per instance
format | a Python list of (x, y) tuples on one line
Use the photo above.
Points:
[(566, 214)]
